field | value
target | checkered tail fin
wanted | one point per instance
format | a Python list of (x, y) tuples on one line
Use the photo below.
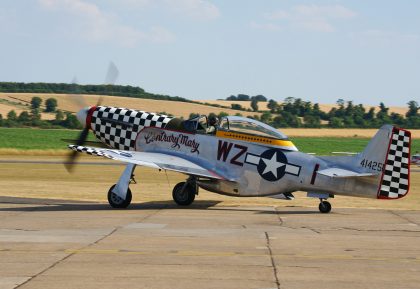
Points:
[(395, 180), (389, 153)]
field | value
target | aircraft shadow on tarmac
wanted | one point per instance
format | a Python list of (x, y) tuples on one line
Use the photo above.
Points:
[(51, 205)]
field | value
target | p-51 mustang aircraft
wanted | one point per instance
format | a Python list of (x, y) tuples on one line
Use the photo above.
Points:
[(241, 157)]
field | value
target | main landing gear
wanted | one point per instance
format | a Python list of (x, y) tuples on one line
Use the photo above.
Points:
[(184, 192), (116, 201), (119, 195)]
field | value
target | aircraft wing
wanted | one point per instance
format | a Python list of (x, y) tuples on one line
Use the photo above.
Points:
[(150, 159), (342, 173)]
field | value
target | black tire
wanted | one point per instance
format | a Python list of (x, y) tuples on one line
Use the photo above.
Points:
[(186, 197), (324, 207), (117, 202)]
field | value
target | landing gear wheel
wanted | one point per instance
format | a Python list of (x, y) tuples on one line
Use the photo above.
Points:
[(183, 194), (116, 202), (324, 207)]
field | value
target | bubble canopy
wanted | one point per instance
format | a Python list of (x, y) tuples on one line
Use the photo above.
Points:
[(250, 126)]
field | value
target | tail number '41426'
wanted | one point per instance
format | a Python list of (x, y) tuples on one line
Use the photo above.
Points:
[(223, 151)]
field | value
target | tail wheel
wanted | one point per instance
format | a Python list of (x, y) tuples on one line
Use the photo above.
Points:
[(184, 194), (324, 207), (116, 201)]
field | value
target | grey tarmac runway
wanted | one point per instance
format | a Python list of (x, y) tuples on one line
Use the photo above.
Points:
[(66, 244)]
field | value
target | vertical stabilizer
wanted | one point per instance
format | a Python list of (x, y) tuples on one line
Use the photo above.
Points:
[(389, 153)]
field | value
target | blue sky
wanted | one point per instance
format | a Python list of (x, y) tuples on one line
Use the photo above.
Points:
[(360, 50)]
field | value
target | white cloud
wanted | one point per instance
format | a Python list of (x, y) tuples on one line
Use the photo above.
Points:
[(99, 26), (312, 17)]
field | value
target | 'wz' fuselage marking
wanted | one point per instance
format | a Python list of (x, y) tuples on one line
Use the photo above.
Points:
[(224, 149)]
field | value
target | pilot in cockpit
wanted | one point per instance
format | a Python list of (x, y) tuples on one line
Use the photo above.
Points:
[(213, 123)]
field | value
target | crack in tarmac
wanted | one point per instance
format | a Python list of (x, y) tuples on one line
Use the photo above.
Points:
[(372, 230), (404, 218), (273, 264)]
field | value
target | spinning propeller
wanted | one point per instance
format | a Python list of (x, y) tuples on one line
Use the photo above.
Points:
[(86, 112)]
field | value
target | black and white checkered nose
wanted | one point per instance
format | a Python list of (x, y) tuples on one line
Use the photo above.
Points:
[(82, 115)]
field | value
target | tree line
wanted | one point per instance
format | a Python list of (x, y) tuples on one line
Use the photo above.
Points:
[(72, 88), (295, 112)]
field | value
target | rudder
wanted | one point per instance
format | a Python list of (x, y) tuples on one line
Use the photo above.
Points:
[(395, 180)]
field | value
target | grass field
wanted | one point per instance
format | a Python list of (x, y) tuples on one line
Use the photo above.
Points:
[(38, 139)]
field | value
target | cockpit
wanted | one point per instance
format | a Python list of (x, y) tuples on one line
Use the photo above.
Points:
[(250, 126), (234, 124)]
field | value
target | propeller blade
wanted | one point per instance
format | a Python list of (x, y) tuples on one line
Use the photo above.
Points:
[(112, 74), (110, 79), (71, 160), (76, 98)]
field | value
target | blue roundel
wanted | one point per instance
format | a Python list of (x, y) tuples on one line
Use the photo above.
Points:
[(272, 165)]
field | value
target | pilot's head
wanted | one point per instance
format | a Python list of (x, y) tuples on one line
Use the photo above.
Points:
[(213, 121)]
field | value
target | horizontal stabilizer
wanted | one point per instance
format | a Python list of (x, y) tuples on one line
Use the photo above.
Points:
[(342, 173)]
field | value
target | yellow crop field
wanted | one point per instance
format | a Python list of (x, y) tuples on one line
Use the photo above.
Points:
[(183, 109)]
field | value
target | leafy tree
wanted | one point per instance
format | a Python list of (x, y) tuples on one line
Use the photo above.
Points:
[(236, 106), (291, 119), (272, 105), (232, 97), (51, 105), (382, 115), (336, 122), (243, 97), (254, 104), (340, 111), (35, 114), (266, 117), (312, 121), (24, 117), (413, 122), (397, 119), (1, 120), (413, 108), (59, 115), (71, 122), (11, 115), (316, 111), (36, 102), (259, 97), (222, 114), (370, 115), (288, 106), (279, 122)]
